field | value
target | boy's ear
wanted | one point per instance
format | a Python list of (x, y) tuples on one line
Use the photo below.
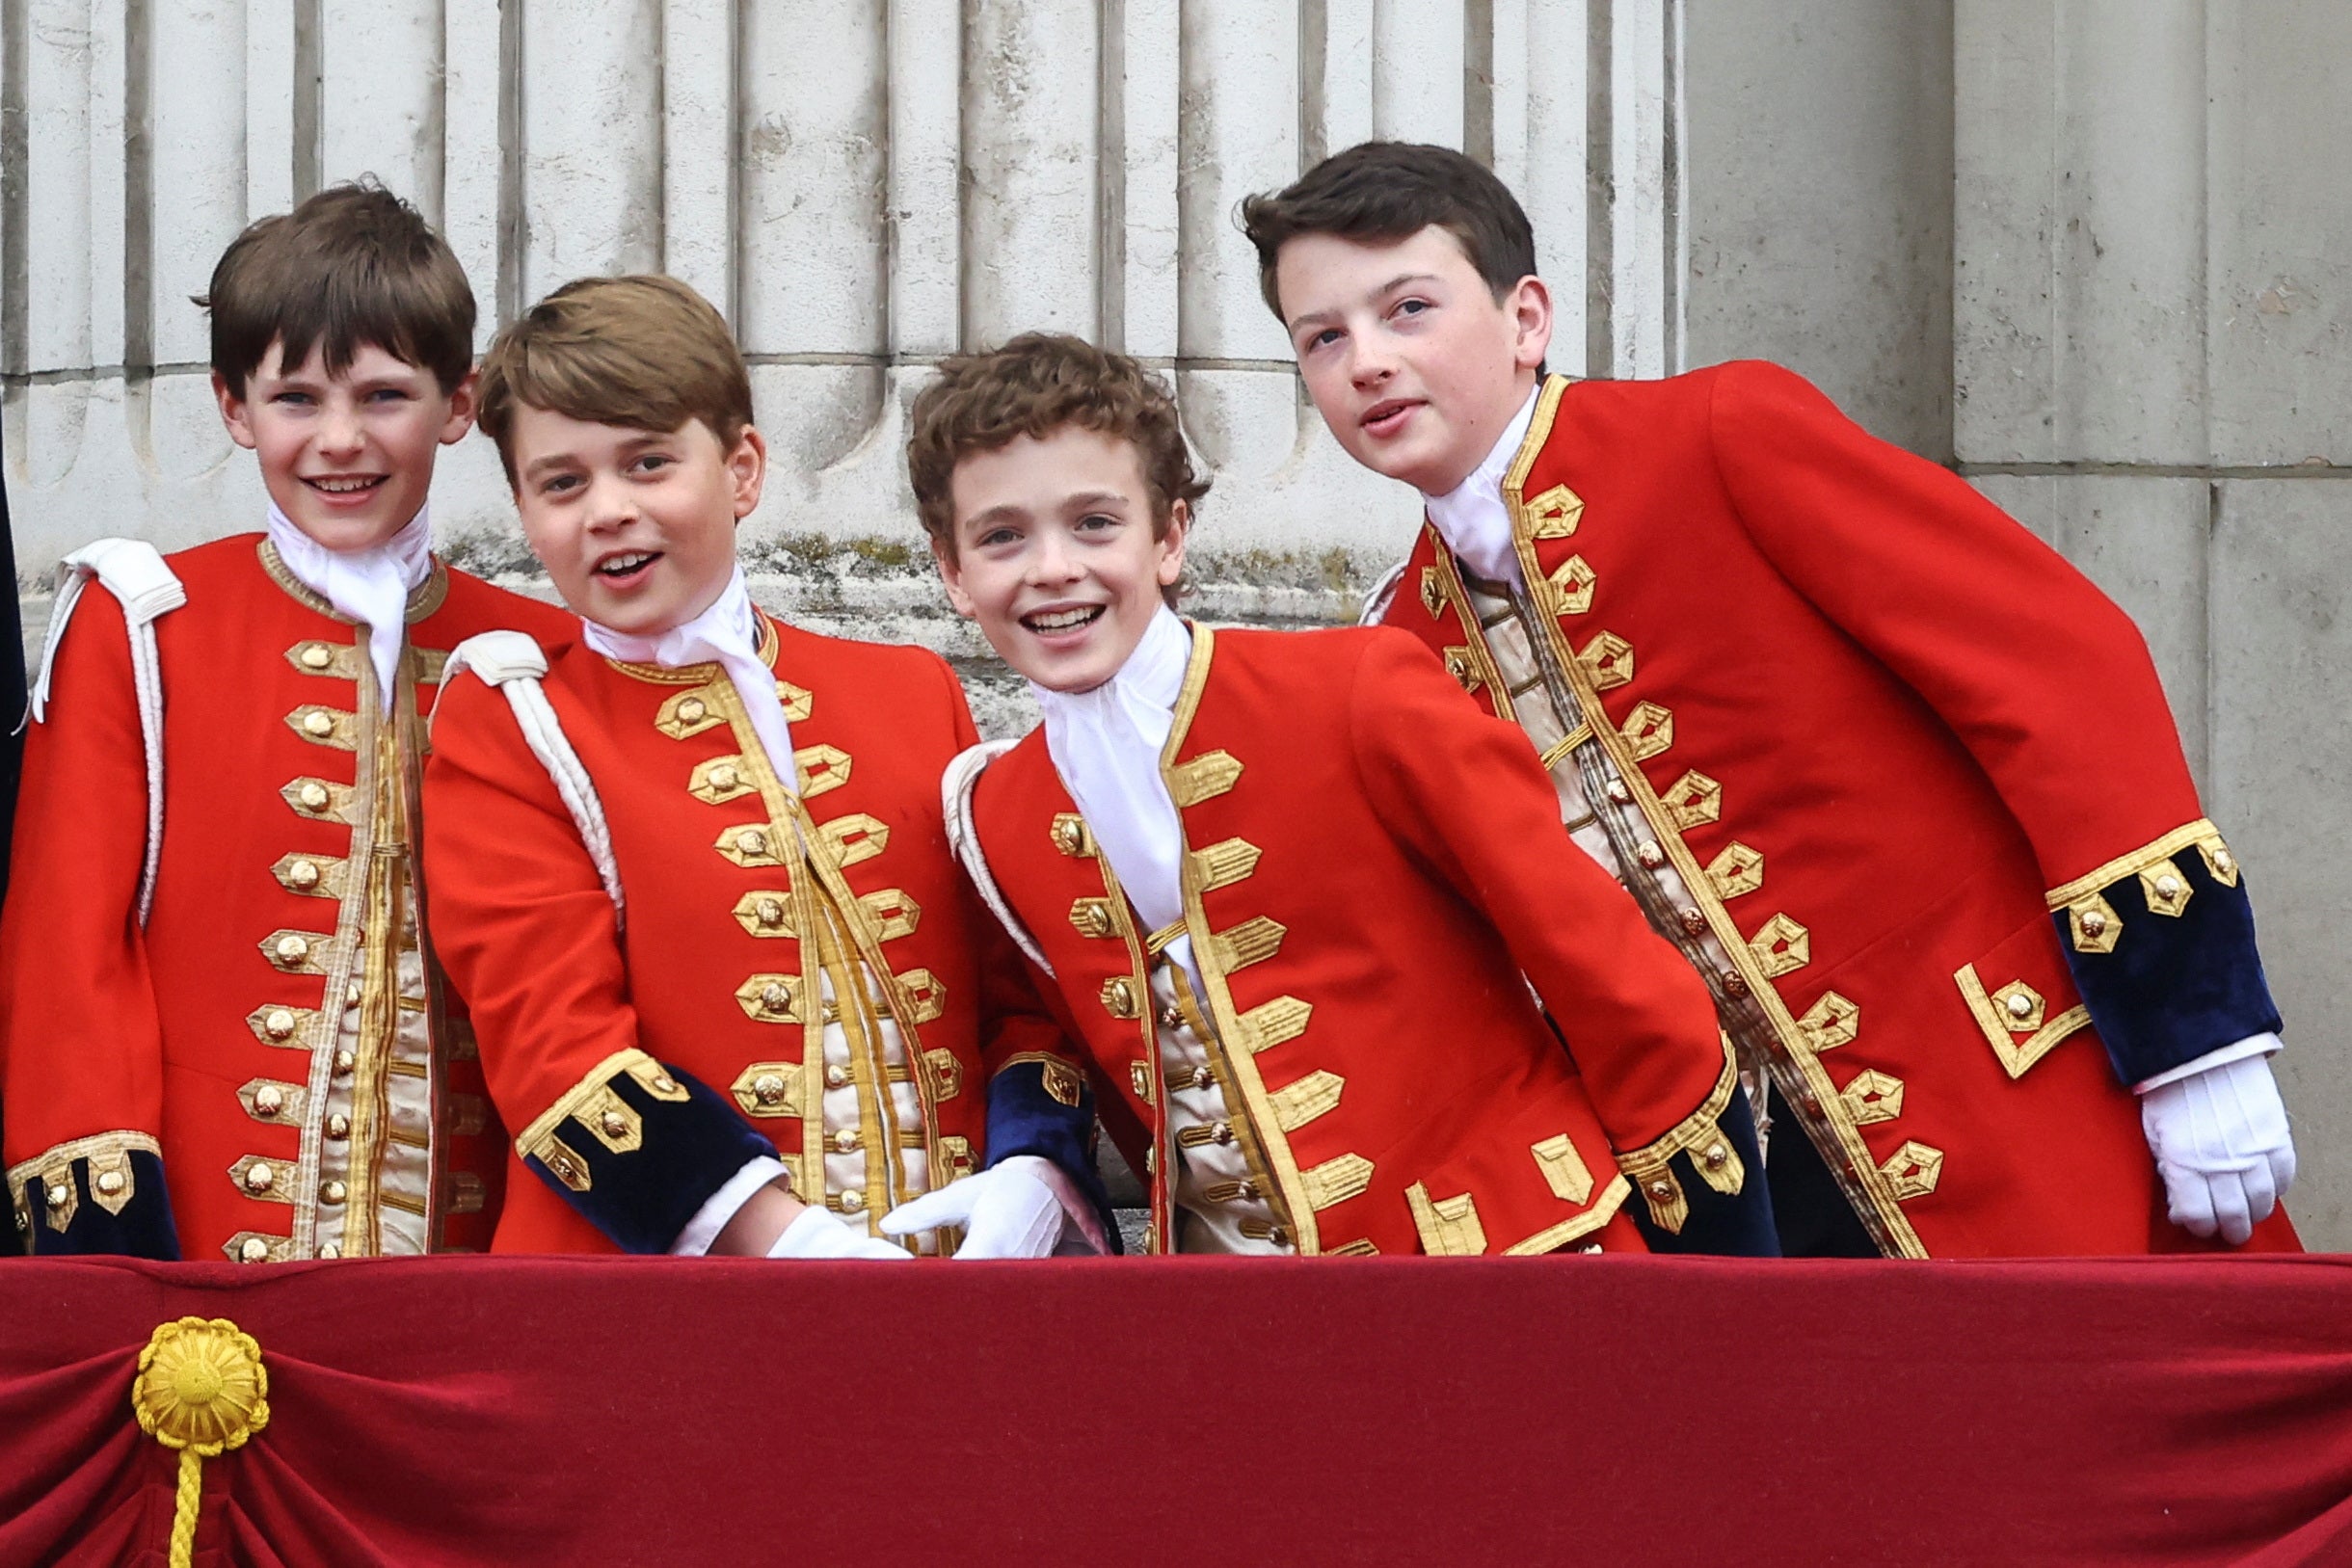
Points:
[(1529, 305), (747, 465), (1172, 544), (232, 410), (951, 573), (464, 401)]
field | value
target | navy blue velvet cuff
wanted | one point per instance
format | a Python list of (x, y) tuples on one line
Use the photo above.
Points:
[(1026, 1118), (2173, 987), (1722, 1224), (638, 1159), (82, 1223)]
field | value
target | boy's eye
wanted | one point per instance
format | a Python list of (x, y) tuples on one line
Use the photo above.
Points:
[(650, 461), (291, 399), (1411, 307), (1322, 339), (558, 483), (387, 394), (996, 535), (1098, 520)]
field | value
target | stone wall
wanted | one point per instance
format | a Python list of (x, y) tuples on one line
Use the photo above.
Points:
[(2092, 251)]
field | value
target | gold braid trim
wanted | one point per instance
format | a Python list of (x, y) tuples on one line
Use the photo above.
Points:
[(1604, 1209), (2146, 856), (1700, 1135), (105, 1151), (534, 1138)]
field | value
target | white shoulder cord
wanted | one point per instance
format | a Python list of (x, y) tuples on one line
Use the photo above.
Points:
[(135, 573), (955, 788), (1376, 598), (513, 663)]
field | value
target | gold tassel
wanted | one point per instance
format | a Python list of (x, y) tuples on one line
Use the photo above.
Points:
[(201, 1389)]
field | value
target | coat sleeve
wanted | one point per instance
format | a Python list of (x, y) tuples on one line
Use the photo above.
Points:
[(2044, 681), (79, 1029), (1041, 1100), (1467, 792), (531, 941)]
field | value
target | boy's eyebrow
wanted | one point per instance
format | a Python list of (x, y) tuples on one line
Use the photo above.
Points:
[(1390, 287)]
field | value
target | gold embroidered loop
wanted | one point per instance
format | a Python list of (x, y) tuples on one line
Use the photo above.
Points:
[(2094, 926), (1569, 590), (765, 912), (820, 768), (1913, 1170), (895, 915), (1609, 660), (1648, 729), (1224, 864), (1297, 1103), (1274, 1022), (2001, 1020), (1555, 514), (1564, 1168), (1692, 801), (1737, 871), (719, 780), (329, 726), (1448, 1227), (1829, 1022), (686, 714), (1335, 1180), (1872, 1095), (1203, 778), (768, 1089), (1252, 942), (1781, 947)]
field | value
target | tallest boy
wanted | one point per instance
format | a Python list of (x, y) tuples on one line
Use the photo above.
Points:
[(1897, 779)]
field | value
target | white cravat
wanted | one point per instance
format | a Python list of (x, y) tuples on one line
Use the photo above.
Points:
[(726, 634), (1471, 517), (1105, 745), (370, 586)]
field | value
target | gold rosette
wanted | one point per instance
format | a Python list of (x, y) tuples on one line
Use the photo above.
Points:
[(201, 1389)]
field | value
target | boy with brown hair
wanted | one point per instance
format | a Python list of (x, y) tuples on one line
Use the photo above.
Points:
[(1897, 779), (1285, 883), (690, 873), (223, 1029)]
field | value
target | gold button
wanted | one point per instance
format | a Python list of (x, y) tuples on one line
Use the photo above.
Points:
[(259, 1176), (691, 710), (845, 1140), (615, 1125), (292, 949), (253, 1250), (350, 994), (59, 1194), (853, 1199), (722, 779), (1717, 1156), (313, 796), (1172, 1018), (1735, 984), (318, 722), (664, 1084), (330, 1250), (2093, 923), (1203, 1078), (1278, 1234), (774, 998), (2168, 886), (315, 656), (303, 874), (1246, 1189), (1662, 1190), (768, 1089), (1810, 1103), (1650, 854), (770, 911), (1621, 792), (345, 1062), (2021, 1005), (333, 1192), (752, 841), (110, 1183), (269, 1100), (1222, 1131), (1693, 922), (338, 1125), (836, 1076), (2222, 862), (278, 1022)]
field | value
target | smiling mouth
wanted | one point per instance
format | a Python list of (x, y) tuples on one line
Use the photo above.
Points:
[(1069, 620), (346, 483), (618, 566), (1383, 418)]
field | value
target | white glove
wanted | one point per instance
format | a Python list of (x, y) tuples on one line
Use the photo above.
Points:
[(820, 1233), (2222, 1145), (1008, 1211)]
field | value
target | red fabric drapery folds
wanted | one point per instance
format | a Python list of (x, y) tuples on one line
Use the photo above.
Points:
[(1553, 1410)]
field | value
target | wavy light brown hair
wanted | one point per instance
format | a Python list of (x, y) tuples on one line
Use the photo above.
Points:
[(351, 266), (1033, 386), (1381, 191), (643, 352)]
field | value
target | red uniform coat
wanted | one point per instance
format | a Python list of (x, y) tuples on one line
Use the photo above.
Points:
[(695, 1019), (1370, 866), (210, 1035), (1883, 732)]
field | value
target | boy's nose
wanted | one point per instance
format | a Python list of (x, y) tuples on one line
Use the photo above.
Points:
[(339, 431), (1053, 560)]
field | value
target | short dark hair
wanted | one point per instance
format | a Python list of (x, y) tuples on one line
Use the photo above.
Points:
[(1388, 190), (351, 266), (641, 351), (1033, 386)]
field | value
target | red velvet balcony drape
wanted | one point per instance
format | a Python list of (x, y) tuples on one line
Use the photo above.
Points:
[(1411, 1411)]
